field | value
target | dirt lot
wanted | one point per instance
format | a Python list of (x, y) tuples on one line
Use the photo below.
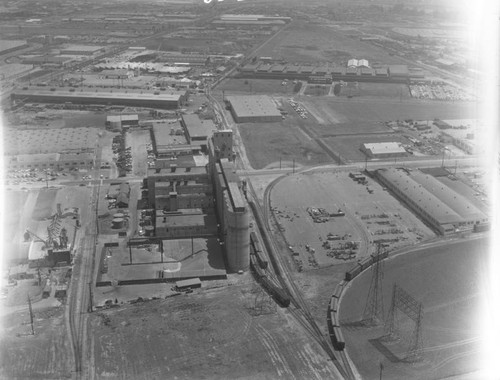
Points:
[(182, 338), (446, 280), (267, 143), (304, 42), (369, 217)]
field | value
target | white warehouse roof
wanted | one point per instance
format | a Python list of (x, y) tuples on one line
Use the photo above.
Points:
[(384, 148)]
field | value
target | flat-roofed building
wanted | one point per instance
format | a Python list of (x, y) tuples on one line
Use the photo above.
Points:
[(423, 203), (398, 71), (53, 161), (197, 130), (436, 204), (383, 150), (253, 109), (104, 97), (185, 223), (120, 121)]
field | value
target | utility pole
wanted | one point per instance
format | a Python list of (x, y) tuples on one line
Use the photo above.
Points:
[(31, 315), (90, 308)]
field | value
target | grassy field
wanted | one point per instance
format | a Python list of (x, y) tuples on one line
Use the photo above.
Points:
[(386, 90), (304, 42), (447, 281), (45, 355), (267, 143), (317, 89)]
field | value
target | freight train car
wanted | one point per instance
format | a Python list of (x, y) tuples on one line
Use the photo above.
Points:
[(338, 339), (257, 250), (353, 272), (279, 295), (380, 256), (338, 290), (334, 318), (366, 263), (333, 304)]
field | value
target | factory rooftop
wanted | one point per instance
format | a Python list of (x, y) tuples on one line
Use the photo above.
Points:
[(31, 141), (98, 93), (384, 148), (422, 199), (197, 128), (455, 201), (254, 105)]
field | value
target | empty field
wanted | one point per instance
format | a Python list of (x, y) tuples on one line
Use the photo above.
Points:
[(446, 279), (304, 42), (267, 143), (183, 338), (388, 90)]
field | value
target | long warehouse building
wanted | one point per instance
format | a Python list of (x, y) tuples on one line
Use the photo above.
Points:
[(71, 95), (436, 204)]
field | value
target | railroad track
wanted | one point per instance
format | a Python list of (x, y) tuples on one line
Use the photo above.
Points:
[(79, 293), (298, 306)]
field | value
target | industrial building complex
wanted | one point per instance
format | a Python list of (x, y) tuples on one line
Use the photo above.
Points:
[(71, 95), (442, 208), (225, 189)]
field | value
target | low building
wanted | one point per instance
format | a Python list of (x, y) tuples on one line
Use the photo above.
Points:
[(166, 100), (117, 122), (436, 204), (116, 74), (383, 150), (54, 161), (197, 130), (185, 223), (253, 109)]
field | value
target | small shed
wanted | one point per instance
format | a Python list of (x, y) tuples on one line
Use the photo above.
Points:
[(188, 284)]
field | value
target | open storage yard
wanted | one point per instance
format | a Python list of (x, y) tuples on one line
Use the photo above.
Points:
[(371, 215), (447, 280)]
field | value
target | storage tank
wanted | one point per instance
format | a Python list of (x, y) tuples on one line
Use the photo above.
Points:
[(237, 242), (149, 230), (117, 223)]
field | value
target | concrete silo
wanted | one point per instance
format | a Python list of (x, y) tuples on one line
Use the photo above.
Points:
[(237, 241)]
